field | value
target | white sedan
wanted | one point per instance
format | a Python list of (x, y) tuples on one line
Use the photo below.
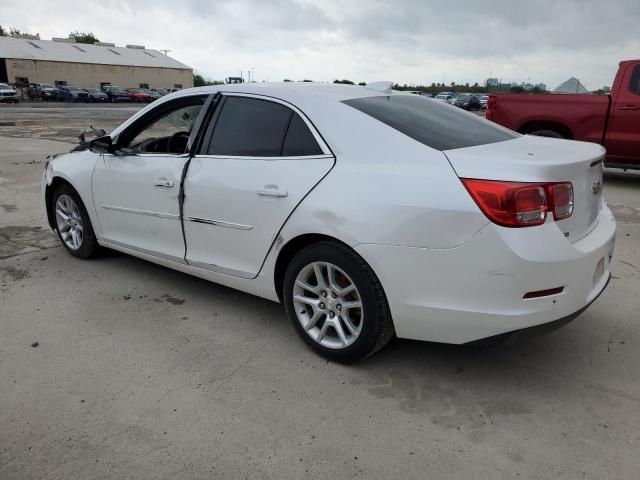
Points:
[(367, 213)]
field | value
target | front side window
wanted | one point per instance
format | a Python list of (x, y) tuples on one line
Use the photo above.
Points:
[(250, 127), (164, 131), (431, 123)]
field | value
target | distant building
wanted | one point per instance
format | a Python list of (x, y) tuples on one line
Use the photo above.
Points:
[(606, 89), (234, 80), (62, 61), (572, 85), (541, 86), (492, 82)]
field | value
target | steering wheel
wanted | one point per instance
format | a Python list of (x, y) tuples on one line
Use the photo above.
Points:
[(177, 143)]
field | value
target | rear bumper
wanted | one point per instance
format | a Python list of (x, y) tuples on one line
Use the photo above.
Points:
[(476, 290)]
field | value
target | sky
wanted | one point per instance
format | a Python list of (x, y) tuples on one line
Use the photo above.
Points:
[(405, 41)]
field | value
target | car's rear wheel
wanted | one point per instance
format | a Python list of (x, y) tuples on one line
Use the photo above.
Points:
[(73, 224), (336, 302)]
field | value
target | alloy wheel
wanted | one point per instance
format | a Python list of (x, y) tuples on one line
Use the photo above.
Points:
[(69, 222), (328, 305)]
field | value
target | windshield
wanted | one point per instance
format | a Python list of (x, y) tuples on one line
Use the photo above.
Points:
[(46, 85), (115, 89), (431, 123), (73, 89), (463, 97), (4, 86), (91, 90)]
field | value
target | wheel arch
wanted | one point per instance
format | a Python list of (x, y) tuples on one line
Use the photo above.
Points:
[(534, 125), (48, 197), (295, 245)]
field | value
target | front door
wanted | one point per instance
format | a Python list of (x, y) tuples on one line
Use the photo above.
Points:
[(258, 160), (136, 188), (623, 130)]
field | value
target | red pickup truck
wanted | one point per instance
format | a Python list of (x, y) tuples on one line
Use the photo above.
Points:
[(611, 120)]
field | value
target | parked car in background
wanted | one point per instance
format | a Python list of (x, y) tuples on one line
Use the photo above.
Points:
[(151, 93), (115, 94), (69, 93), (160, 91), (468, 101), (483, 101), (445, 97), (96, 95), (8, 94), (482, 231), (138, 95), (610, 120), (43, 91)]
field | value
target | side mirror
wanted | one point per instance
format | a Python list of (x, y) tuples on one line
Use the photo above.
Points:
[(101, 145)]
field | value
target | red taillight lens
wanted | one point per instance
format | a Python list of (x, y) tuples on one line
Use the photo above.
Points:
[(515, 204), (510, 204), (561, 195)]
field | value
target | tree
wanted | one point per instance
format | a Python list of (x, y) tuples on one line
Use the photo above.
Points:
[(198, 80), (3, 32), (287, 80), (307, 80), (516, 89), (82, 37), (344, 82), (362, 84), (15, 33)]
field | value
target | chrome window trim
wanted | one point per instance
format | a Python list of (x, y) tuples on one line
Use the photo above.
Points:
[(219, 223)]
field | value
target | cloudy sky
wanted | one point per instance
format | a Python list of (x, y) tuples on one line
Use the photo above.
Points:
[(407, 41)]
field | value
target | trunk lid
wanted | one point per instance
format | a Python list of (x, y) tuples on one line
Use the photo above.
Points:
[(539, 159)]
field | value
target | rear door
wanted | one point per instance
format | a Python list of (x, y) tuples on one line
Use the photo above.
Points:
[(258, 159), (623, 131)]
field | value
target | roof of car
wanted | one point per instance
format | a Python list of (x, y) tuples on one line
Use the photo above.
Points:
[(289, 91)]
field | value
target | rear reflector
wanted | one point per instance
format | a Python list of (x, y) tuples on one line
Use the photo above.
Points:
[(544, 293), (517, 204)]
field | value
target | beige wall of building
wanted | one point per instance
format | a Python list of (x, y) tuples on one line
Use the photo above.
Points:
[(92, 75)]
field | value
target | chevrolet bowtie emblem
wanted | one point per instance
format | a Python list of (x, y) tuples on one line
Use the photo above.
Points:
[(596, 187)]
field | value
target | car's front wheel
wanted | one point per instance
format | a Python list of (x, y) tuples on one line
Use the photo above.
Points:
[(73, 224), (336, 302)]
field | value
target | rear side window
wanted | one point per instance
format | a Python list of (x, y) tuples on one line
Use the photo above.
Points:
[(260, 128), (634, 86), (431, 122), (299, 140)]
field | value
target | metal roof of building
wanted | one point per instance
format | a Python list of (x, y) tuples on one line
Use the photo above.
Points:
[(68, 51)]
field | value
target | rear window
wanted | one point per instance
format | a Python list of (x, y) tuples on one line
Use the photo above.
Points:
[(432, 123)]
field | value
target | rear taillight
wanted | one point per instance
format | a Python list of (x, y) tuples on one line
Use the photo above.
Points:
[(562, 197), (491, 103), (516, 204)]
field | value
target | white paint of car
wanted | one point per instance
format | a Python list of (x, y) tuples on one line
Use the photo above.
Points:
[(449, 274)]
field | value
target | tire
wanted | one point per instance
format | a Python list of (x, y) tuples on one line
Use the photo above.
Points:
[(372, 320), (88, 246), (547, 133)]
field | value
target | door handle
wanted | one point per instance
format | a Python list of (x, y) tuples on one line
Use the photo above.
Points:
[(272, 191), (163, 182), (629, 107)]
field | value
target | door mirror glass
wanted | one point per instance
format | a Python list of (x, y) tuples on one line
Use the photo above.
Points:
[(101, 145)]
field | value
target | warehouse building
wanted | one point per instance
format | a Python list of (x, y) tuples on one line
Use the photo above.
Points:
[(64, 62)]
